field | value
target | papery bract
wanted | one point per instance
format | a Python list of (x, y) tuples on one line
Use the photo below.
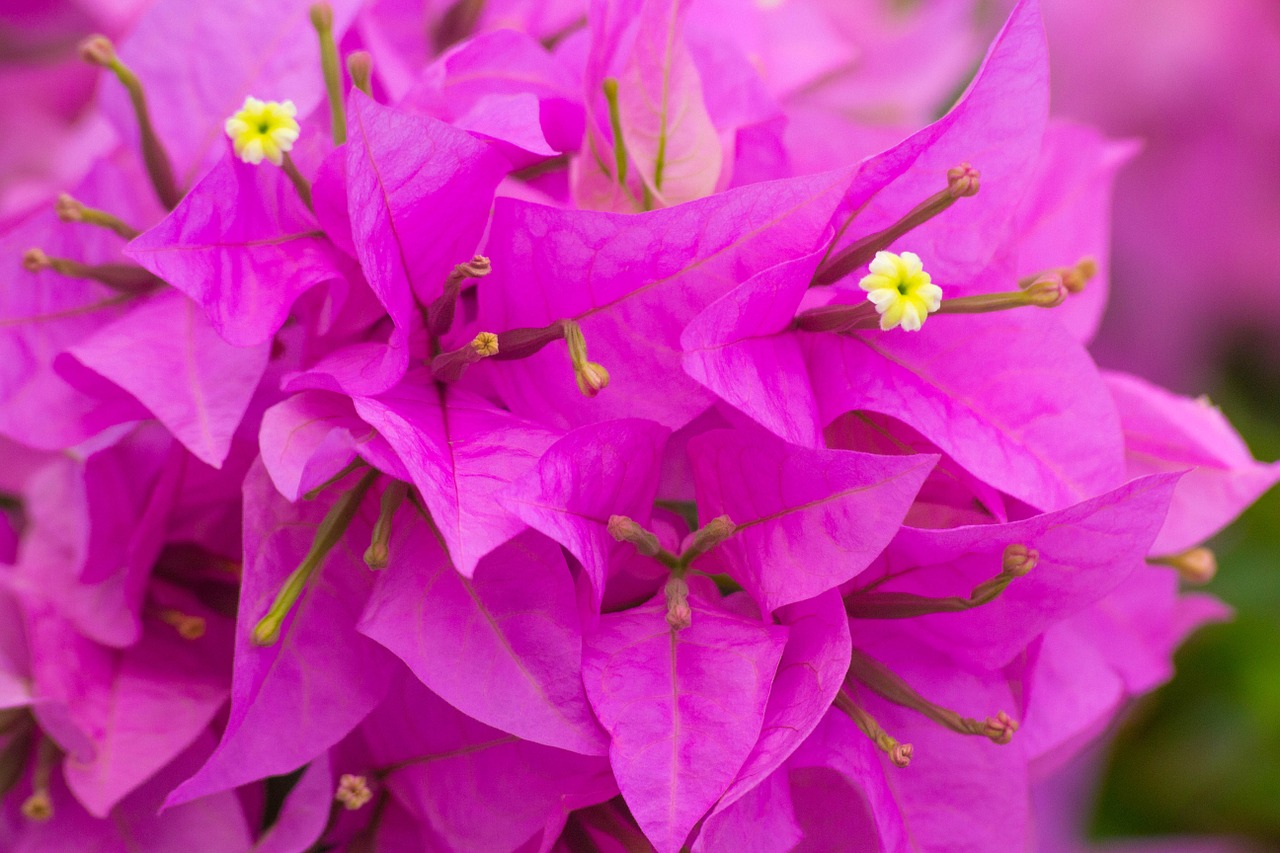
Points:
[(594, 472), (675, 747), (1165, 432), (1049, 437), (779, 496), (1084, 552), (514, 627), (551, 265), (242, 245), (459, 450), (292, 700), (166, 354), (137, 708), (458, 776)]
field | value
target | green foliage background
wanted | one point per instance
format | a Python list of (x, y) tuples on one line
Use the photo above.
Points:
[(1202, 754)]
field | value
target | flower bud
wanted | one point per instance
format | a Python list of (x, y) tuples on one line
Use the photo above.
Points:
[(592, 378), (1075, 278), (328, 534), (1047, 291), (963, 181), (1019, 559), (322, 17), (360, 67), (623, 529), (1000, 728), (98, 50), (1197, 566), (707, 537), (679, 614)]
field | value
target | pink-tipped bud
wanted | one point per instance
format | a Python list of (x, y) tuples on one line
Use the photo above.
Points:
[(377, 556), (322, 17), (360, 67), (353, 791), (679, 614), (901, 754), (478, 267), (711, 534), (98, 50), (1197, 566), (35, 260), (68, 209), (592, 378), (1019, 559), (1047, 291), (1075, 278), (1000, 728), (623, 529), (963, 181)]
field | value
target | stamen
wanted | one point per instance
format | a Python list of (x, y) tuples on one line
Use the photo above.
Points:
[(623, 529), (70, 210), (322, 21), (360, 67), (899, 753), (39, 806), (330, 531), (707, 537), (1196, 566), (188, 627), (679, 614), (98, 50), (610, 87), (882, 680), (1017, 561), (122, 278), (378, 554), (962, 182), (441, 312), (592, 378), (353, 791)]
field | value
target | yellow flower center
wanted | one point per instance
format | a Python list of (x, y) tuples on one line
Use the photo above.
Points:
[(263, 130), (901, 290)]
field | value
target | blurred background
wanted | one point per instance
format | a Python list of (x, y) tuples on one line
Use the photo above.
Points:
[(1195, 306)]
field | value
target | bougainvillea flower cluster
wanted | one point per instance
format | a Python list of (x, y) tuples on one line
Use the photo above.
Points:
[(576, 426)]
